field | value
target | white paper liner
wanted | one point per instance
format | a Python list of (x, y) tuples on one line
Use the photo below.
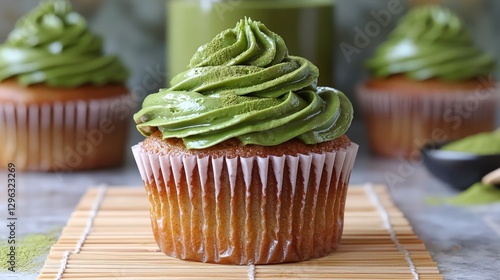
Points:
[(247, 210), (400, 123), (65, 135)]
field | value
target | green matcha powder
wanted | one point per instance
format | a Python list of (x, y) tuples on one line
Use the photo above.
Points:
[(31, 252), (478, 193), (487, 143)]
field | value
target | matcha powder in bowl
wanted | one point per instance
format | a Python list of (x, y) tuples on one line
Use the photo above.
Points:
[(31, 251), (483, 144), (487, 143)]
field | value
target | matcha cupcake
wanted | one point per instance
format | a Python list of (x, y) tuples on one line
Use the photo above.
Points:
[(63, 103), (431, 83), (245, 160)]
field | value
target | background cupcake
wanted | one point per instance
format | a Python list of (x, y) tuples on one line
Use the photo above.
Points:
[(246, 159), (430, 84), (63, 105)]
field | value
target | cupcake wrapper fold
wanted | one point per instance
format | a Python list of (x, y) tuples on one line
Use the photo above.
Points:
[(66, 135), (399, 124), (247, 210)]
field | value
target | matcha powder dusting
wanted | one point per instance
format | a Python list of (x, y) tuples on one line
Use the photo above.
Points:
[(30, 251), (480, 144), (478, 193)]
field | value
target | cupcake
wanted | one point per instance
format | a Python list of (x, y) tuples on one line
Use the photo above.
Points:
[(430, 84), (245, 160), (63, 103)]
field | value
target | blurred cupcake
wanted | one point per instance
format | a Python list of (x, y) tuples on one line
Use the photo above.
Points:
[(245, 160), (63, 103), (430, 83)]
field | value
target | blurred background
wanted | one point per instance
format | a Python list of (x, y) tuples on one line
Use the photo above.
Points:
[(136, 31)]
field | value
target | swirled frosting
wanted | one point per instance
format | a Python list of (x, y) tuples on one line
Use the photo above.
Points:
[(431, 42), (243, 84), (52, 45)]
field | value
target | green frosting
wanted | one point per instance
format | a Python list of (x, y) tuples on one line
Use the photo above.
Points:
[(431, 42), (243, 84), (52, 45), (487, 143)]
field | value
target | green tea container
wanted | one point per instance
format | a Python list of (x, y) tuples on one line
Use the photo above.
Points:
[(306, 25)]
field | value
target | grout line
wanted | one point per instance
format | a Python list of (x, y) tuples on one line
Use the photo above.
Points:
[(370, 191), (488, 220)]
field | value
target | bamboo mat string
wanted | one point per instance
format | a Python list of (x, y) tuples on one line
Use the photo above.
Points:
[(251, 272), (64, 264), (88, 228), (90, 220), (370, 191)]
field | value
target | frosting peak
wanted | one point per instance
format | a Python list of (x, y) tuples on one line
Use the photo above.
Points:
[(52, 44), (246, 60), (243, 84), (431, 42), (249, 43)]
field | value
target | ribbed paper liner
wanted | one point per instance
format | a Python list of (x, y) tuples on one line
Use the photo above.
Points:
[(247, 210), (399, 124), (64, 136)]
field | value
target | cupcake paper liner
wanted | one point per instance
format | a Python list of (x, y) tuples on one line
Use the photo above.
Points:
[(253, 210), (66, 135), (399, 124)]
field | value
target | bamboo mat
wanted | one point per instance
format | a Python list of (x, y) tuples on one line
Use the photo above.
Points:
[(108, 237)]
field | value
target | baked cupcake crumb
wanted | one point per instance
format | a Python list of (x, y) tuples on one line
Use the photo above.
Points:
[(233, 147)]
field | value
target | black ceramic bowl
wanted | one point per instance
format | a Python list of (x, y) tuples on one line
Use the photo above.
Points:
[(459, 170)]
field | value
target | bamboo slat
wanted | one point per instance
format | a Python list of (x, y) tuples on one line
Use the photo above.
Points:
[(108, 237)]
